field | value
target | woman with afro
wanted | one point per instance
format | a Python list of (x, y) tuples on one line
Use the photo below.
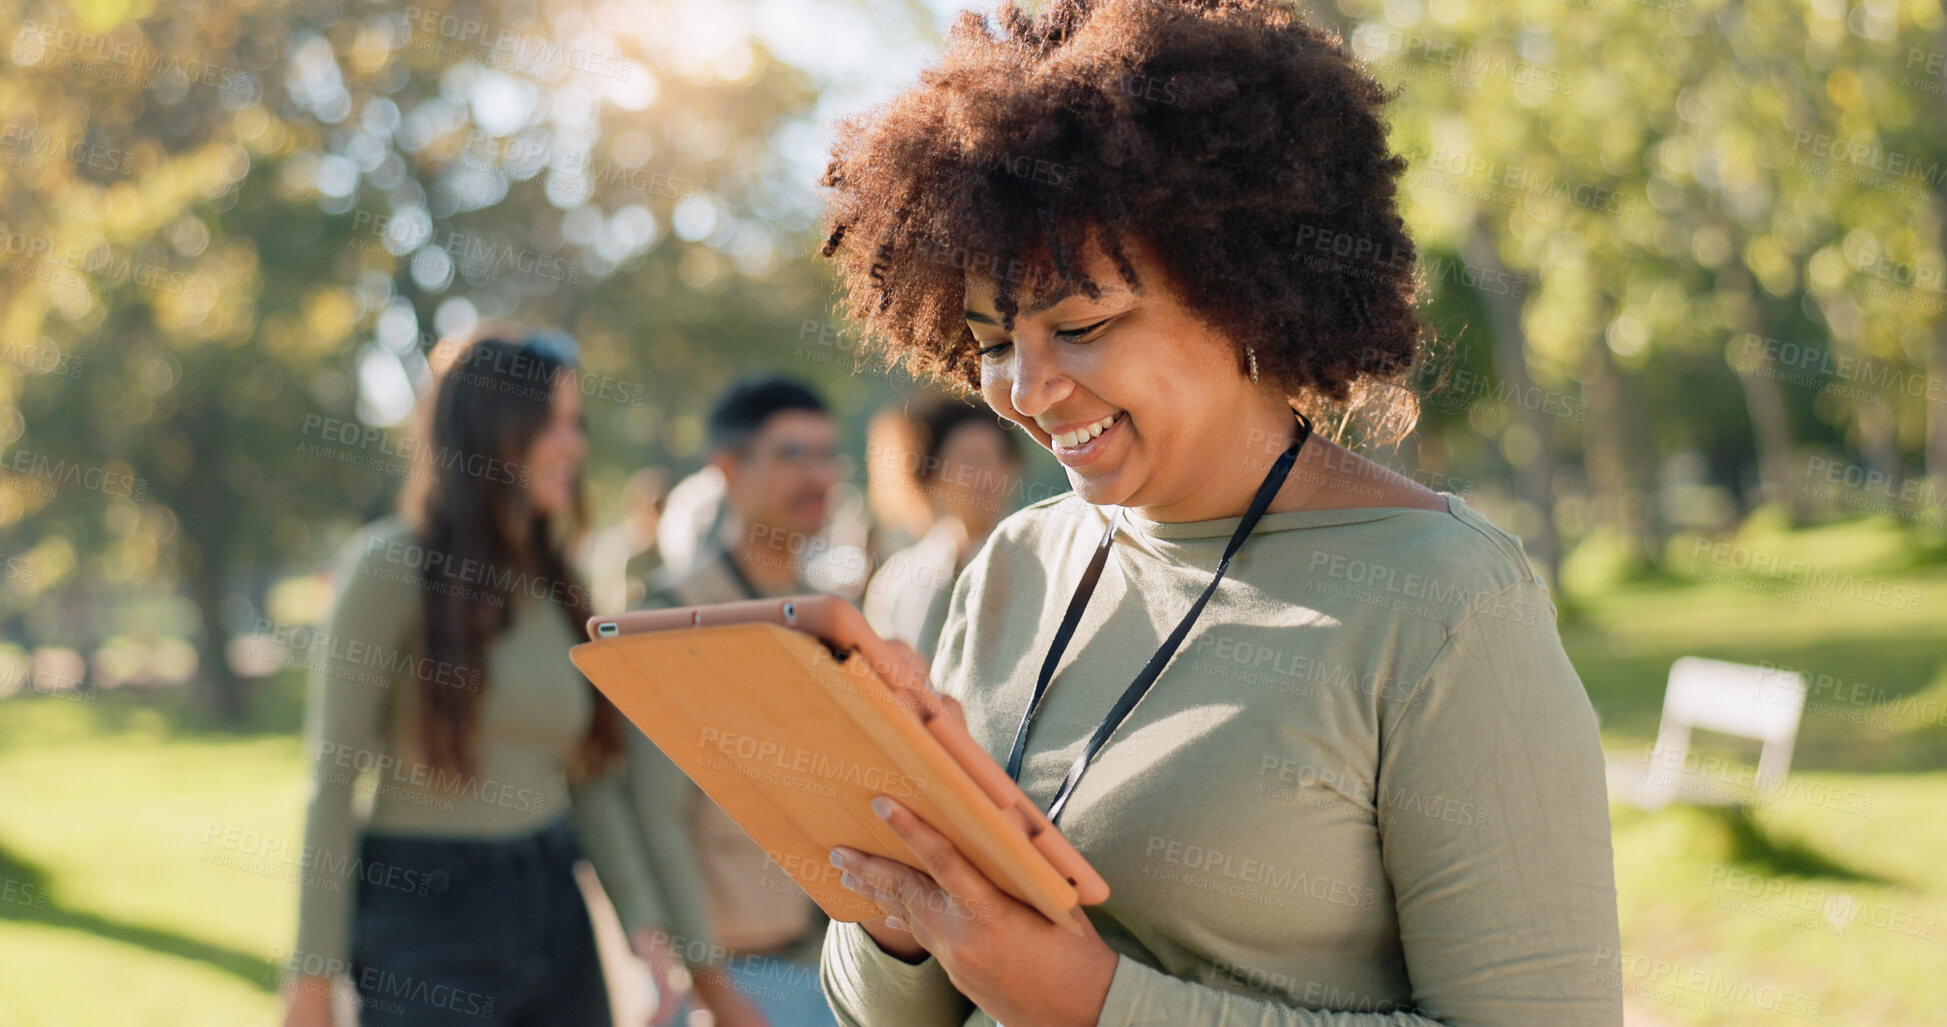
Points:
[(1311, 721)]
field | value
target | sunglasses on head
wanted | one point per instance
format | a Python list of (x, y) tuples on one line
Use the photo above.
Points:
[(559, 347)]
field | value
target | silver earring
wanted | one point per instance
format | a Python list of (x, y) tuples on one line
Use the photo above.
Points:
[(1252, 354)]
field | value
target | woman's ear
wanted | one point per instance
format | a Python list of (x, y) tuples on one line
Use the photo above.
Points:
[(730, 466)]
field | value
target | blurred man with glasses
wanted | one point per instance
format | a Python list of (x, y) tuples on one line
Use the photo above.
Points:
[(776, 444)]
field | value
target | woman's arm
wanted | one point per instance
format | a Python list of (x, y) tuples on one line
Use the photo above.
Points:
[(659, 796), (614, 848), (1494, 819), (1142, 996), (344, 726), (869, 987), (608, 833)]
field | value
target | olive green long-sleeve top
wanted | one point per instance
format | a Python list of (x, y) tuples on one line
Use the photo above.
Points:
[(362, 721), (1368, 790)]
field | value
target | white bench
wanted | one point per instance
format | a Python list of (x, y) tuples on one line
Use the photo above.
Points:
[(1764, 703)]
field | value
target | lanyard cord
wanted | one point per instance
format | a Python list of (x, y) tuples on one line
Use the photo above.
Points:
[(738, 576), (1134, 693)]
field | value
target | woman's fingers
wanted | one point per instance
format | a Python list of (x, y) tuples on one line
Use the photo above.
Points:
[(939, 857), (893, 885), (947, 887), (909, 677)]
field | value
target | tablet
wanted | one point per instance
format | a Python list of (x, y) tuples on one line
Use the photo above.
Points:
[(791, 714)]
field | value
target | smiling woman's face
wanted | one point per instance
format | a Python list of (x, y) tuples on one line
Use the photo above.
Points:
[(1166, 387), (554, 457)]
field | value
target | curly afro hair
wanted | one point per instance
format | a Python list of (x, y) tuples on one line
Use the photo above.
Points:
[(1239, 144)]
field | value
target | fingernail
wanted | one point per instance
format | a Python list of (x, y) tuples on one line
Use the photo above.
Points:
[(838, 859), (895, 923), (883, 807), (849, 881)]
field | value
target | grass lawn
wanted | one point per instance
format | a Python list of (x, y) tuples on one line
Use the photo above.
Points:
[(146, 866), (113, 907), (1826, 901)]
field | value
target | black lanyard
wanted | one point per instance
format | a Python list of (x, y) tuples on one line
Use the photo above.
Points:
[(737, 575), (1086, 588)]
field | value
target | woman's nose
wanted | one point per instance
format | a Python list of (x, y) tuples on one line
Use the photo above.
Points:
[(1039, 381)]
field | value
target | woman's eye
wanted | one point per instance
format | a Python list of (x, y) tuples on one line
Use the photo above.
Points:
[(1068, 335), (1073, 334)]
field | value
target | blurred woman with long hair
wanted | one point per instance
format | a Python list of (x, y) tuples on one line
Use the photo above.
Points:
[(447, 894)]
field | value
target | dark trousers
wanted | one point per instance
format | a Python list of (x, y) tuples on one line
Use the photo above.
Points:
[(449, 933)]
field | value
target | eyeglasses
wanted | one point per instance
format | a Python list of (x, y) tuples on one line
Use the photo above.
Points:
[(801, 457)]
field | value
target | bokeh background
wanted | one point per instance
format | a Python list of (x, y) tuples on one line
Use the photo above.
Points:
[(1683, 260)]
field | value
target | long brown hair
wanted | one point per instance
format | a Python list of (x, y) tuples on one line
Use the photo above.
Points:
[(485, 545)]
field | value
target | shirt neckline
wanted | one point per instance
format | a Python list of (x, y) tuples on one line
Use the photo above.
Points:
[(1290, 520), (727, 562)]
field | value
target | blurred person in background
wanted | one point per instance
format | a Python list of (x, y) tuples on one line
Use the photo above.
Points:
[(776, 445), (692, 516), (448, 681), (893, 449), (622, 558), (968, 471), (839, 561)]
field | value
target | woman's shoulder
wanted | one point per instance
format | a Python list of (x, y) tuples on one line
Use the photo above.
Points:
[(392, 528), (381, 563), (1054, 521), (1464, 540), (1440, 566), (387, 537), (1025, 543)]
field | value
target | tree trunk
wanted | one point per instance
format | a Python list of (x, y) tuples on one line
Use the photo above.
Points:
[(217, 689), (1936, 444), (1763, 399), (1617, 448), (205, 502), (1878, 433), (1879, 443), (1937, 403), (1534, 481)]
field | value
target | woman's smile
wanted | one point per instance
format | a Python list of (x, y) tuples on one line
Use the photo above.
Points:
[(1086, 444)]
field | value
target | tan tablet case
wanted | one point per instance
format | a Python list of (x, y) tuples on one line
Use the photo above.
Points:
[(796, 764)]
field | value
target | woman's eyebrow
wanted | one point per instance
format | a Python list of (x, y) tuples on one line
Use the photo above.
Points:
[(979, 317)]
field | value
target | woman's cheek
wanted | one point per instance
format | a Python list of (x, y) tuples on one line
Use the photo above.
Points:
[(994, 388)]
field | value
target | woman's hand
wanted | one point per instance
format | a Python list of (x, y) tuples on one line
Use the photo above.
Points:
[(307, 1001), (652, 947), (712, 986), (895, 941), (729, 1007), (1019, 966)]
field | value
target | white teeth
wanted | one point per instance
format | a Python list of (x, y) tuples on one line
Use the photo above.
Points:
[(1071, 439)]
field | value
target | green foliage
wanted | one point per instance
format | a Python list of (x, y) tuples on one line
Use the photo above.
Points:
[(235, 230)]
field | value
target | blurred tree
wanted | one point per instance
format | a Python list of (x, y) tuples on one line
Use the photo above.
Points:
[(1665, 174), (243, 227)]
